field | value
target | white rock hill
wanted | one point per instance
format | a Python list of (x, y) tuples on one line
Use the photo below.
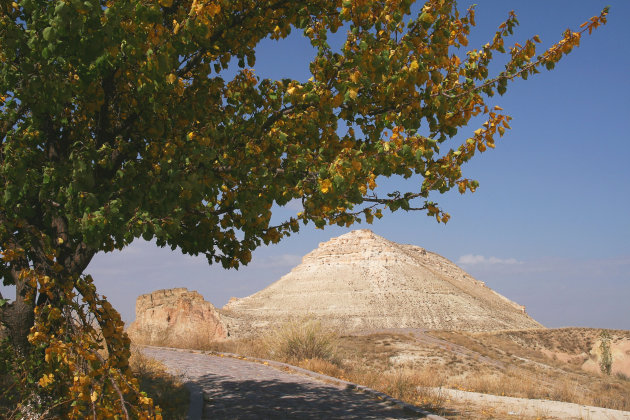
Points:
[(362, 281)]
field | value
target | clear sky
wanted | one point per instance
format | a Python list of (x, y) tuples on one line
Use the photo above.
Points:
[(549, 226)]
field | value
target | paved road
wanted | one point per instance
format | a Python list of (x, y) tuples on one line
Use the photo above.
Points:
[(239, 389)]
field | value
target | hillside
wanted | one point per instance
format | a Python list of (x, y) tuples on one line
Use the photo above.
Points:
[(361, 281)]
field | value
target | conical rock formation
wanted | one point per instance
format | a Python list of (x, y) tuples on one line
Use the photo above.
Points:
[(362, 281)]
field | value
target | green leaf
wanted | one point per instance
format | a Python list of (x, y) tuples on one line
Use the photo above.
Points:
[(48, 33)]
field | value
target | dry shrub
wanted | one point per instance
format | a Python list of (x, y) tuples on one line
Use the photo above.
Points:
[(401, 384), (324, 367), (303, 339), (167, 391), (611, 394), (622, 376), (566, 390), (512, 382), (252, 347), (520, 383), (412, 386), (366, 377), (409, 385)]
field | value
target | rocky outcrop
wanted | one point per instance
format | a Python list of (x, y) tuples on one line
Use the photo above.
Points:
[(176, 318), (362, 281)]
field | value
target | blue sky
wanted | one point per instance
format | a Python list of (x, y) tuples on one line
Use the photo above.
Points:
[(548, 226)]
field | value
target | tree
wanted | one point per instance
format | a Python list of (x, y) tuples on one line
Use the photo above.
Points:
[(605, 360), (117, 123)]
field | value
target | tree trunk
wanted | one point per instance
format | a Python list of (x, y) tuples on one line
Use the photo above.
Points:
[(18, 316)]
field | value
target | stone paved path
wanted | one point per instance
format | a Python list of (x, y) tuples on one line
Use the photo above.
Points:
[(239, 389)]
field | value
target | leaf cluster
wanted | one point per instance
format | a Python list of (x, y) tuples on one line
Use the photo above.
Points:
[(139, 135)]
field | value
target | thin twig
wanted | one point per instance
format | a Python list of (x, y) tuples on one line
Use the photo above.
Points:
[(115, 385)]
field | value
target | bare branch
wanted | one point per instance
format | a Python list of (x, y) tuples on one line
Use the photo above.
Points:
[(116, 387)]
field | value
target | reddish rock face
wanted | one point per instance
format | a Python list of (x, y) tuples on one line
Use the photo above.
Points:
[(176, 318)]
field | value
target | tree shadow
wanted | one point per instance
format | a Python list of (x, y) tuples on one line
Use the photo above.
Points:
[(227, 398)]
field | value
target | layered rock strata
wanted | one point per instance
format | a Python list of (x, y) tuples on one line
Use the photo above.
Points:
[(176, 318), (362, 281)]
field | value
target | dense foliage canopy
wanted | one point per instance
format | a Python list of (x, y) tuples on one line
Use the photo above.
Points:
[(117, 122)]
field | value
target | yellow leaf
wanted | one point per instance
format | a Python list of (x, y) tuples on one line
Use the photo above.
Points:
[(171, 78), (352, 93), (478, 131), (498, 108), (166, 3), (355, 76), (462, 187), (325, 186), (214, 9), (94, 396), (145, 400), (371, 183), (414, 65), (46, 380)]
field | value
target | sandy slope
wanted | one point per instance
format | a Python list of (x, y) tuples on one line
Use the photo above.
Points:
[(523, 407)]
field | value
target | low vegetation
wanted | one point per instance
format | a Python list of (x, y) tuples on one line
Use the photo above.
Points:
[(309, 345), (300, 340), (23, 396), (545, 364), (413, 366), (167, 391)]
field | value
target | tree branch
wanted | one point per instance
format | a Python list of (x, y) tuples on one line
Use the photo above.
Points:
[(234, 22), (116, 387), (8, 124), (103, 121)]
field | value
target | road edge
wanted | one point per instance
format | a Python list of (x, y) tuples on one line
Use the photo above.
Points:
[(350, 386)]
